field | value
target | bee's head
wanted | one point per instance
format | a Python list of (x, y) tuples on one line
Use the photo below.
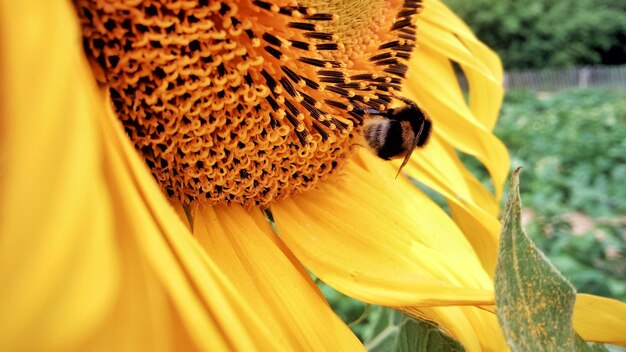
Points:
[(426, 131)]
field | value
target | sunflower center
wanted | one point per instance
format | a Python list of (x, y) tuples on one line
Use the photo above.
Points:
[(359, 25), (249, 101)]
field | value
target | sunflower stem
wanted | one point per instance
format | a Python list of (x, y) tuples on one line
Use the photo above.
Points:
[(361, 317)]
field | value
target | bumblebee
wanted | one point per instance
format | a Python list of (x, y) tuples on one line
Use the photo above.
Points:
[(396, 132)]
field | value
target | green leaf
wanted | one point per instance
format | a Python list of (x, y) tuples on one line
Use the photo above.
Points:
[(385, 330), (534, 302), (420, 336), (394, 331), (581, 345)]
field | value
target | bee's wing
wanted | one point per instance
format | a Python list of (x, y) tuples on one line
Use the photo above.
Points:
[(375, 112), (407, 157)]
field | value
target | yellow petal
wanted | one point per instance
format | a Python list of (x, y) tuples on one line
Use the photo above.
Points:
[(600, 319), (485, 95), (480, 64), (434, 88), (203, 299), (92, 256), (381, 240), (596, 319), (54, 211), (459, 124), (441, 36), (280, 289), (433, 83), (473, 207)]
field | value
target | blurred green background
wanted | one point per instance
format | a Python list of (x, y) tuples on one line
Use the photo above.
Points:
[(572, 147), (549, 33), (571, 143)]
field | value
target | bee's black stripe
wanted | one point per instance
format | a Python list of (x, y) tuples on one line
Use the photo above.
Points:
[(392, 145), (426, 130)]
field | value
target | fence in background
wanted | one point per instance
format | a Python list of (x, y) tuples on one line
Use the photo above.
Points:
[(558, 79)]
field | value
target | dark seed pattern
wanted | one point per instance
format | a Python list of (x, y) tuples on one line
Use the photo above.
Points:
[(214, 101)]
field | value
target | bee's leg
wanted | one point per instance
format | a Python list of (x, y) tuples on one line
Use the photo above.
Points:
[(407, 101)]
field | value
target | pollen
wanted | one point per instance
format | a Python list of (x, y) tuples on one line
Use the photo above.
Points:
[(246, 102)]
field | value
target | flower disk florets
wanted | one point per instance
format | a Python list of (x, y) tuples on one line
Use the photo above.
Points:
[(246, 101)]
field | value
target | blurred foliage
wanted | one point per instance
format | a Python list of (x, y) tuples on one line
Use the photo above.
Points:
[(549, 33), (393, 331), (572, 146), (356, 314)]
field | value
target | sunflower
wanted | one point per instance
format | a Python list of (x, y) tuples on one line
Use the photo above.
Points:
[(138, 166)]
